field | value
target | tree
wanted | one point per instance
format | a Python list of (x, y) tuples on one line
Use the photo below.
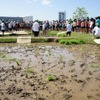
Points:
[(80, 13)]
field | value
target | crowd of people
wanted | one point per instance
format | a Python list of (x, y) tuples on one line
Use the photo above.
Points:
[(13, 25), (80, 25), (86, 25)]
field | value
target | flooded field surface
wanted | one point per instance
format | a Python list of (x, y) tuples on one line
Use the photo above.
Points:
[(49, 72)]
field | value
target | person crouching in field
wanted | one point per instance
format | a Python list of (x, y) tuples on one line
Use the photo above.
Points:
[(69, 29), (96, 30)]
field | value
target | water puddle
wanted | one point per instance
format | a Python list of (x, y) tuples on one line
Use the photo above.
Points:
[(25, 72)]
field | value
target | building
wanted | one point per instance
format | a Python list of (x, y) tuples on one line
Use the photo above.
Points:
[(62, 16), (20, 19), (28, 18)]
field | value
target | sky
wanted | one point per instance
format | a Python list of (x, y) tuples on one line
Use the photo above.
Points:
[(47, 9)]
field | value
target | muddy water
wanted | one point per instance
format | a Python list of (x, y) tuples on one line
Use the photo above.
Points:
[(24, 72)]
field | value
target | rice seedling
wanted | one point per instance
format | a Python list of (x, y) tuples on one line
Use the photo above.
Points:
[(50, 78), (29, 70)]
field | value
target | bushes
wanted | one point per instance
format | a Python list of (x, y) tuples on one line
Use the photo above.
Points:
[(62, 41), (97, 37), (72, 41)]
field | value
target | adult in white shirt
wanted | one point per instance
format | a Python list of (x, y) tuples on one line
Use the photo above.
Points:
[(3, 27), (35, 29), (69, 29), (96, 30)]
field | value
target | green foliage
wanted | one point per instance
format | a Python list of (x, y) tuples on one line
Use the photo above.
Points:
[(52, 33), (61, 35), (18, 62), (62, 41), (87, 38), (80, 13), (2, 55), (29, 70), (97, 37), (71, 41), (94, 65), (8, 40), (50, 78)]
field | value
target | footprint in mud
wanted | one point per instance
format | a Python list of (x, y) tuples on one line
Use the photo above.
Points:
[(89, 97), (26, 94), (12, 89), (82, 64)]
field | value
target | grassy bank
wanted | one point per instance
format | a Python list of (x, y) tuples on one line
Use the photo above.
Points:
[(75, 38)]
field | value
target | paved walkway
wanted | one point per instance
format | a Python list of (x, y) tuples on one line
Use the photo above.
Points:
[(97, 41), (15, 32)]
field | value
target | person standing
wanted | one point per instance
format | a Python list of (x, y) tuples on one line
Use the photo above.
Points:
[(69, 29), (44, 28), (35, 29), (3, 27), (10, 26)]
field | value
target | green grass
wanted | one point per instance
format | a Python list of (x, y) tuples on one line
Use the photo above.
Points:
[(61, 35), (52, 33), (2, 55), (98, 37), (18, 62), (71, 41), (8, 40), (88, 38), (94, 65), (75, 38), (81, 37), (29, 70)]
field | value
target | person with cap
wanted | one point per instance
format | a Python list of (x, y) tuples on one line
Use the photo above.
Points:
[(96, 30), (3, 27)]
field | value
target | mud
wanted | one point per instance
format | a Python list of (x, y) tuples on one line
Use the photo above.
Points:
[(24, 72)]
